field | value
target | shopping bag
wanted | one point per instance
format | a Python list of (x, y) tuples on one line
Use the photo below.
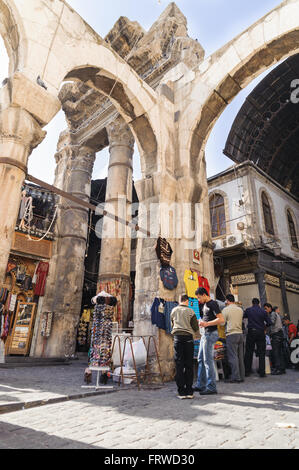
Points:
[(139, 352)]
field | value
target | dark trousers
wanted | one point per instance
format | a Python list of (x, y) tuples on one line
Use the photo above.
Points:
[(183, 356), (255, 338), (235, 355), (277, 354)]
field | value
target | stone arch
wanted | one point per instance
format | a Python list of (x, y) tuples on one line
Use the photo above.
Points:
[(128, 107), (226, 72), (69, 49), (12, 32)]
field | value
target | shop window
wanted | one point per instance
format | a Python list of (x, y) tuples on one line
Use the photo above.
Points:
[(269, 227), (217, 214), (292, 230)]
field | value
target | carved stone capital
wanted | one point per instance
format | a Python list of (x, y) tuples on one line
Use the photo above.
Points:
[(19, 127), (119, 134)]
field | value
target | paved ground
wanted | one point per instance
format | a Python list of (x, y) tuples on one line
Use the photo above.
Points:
[(241, 416)]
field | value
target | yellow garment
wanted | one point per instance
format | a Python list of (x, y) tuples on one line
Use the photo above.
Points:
[(191, 283), (221, 331), (86, 315)]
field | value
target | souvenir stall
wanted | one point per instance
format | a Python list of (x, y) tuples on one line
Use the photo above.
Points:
[(24, 284), (161, 307), (100, 352)]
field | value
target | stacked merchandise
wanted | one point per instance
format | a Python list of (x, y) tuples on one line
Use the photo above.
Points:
[(101, 333), (219, 351)]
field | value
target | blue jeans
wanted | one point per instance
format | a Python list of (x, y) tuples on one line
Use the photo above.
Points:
[(206, 379)]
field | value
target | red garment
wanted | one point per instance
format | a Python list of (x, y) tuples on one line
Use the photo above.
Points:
[(41, 273), (203, 282), (292, 330)]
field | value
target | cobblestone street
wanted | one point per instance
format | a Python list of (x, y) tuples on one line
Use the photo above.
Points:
[(241, 416)]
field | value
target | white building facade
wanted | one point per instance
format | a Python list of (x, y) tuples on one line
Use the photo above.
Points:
[(255, 232)]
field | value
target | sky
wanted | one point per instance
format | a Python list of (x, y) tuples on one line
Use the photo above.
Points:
[(212, 22)]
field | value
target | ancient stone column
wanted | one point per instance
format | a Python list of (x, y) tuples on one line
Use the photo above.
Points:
[(19, 135), (64, 293), (116, 239)]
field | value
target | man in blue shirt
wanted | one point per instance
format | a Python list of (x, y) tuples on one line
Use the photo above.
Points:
[(257, 322)]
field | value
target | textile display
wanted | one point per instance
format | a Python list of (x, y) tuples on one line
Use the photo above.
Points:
[(160, 314), (169, 277), (194, 304), (157, 313), (168, 307), (100, 354), (203, 282), (83, 328), (41, 277), (191, 282), (164, 251), (114, 288)]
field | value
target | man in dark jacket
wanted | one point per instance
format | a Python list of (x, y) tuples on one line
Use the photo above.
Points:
[(258, 320), (276, 335)]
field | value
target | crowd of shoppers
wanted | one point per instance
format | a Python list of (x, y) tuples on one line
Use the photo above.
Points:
[(259, 323)]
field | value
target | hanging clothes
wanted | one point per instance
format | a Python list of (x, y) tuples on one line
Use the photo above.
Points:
[(157, 313), (203, 282), (164, 251), (194, 304), (169, 306), (41, 277), (191, 283), (169, 277)]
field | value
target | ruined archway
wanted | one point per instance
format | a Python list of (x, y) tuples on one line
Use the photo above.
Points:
[(226, 72)]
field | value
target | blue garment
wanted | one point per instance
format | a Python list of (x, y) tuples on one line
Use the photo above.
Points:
[(206, 379), (169, 306), (257, 318), (194, 304), (158, 318)]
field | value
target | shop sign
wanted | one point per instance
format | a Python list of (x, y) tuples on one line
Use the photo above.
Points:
[(243, 279), (196, 257), (292, 286), (23, 244), (22, 329), (274, 281)]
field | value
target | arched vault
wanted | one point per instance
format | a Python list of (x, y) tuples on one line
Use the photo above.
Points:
[(51, 41), (220, 77)]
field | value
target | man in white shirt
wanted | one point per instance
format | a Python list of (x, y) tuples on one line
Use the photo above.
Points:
[(233, 316)]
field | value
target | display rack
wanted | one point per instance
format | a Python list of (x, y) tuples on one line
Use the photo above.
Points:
[(146, 373)]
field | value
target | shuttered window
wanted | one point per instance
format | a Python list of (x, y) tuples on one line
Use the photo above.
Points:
[(267, 215), (292, 230), (217, 213)]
